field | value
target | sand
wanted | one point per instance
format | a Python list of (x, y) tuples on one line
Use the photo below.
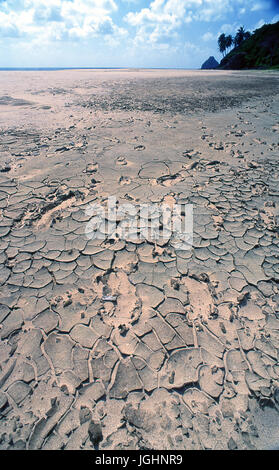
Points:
[(136, 344)]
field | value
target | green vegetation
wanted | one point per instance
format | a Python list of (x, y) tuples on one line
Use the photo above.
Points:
[(226, 42), (257, 50)]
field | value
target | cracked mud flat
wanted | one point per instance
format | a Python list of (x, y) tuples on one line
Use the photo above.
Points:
[(123, 345)]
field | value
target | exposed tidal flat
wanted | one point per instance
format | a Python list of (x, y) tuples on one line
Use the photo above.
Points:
[(135, 344)]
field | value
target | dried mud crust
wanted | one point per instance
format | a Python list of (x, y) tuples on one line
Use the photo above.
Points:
[(137, 345), (182, 95)]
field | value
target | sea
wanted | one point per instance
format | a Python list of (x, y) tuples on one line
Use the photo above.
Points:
[(43, 69), (27, 69)]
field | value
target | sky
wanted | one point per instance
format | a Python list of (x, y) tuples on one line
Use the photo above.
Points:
[(123, 33)]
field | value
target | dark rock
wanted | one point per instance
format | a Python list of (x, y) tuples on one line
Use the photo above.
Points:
[(210, 63), (235, 62), (95, 433)]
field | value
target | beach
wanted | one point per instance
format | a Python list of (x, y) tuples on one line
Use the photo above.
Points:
[(139, 343)]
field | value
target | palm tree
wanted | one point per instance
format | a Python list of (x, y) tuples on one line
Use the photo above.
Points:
[(228, 41), (247, 35), (222, 43), (240, 36)]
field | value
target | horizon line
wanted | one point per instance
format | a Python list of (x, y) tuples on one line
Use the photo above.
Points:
[(96, 68)]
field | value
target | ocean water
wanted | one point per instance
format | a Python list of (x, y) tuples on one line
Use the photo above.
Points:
[(10, 69), (42, 69)]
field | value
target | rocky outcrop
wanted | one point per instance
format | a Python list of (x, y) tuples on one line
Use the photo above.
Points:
[(210, 63), (234, 62)]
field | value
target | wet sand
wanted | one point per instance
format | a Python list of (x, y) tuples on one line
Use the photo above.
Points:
[(124, 344)]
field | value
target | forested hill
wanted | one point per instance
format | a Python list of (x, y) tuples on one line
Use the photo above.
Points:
[(261, 50)]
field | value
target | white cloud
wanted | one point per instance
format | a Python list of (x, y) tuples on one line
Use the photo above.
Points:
[(84, 19), (259, 24), (228, 28), (58, 19), (260, 6), (211, 10), (158, 23), (157, 30), (208, 37), (175, 12), (166, 16), (275, 19)]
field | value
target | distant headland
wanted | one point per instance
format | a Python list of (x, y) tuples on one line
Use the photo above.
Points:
[(210, 63), (258, 50)]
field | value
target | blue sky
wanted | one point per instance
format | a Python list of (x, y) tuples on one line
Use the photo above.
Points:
[(120, 33)]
